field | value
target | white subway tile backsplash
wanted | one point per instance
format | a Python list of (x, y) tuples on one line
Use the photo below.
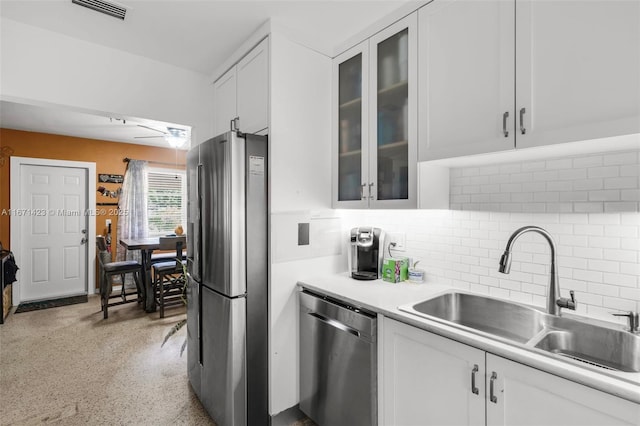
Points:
[(619, 304), (619, 159), (620, 255), (589, 204), (499, 292), (605, 195), (632, 170), (620, 280), (630, 293), (510, 168), (603, 289), (630, 244), (604, 265), (561, 163), (630, 268), (603, 172), (592, 207), (588, 184), (597, 230), (604, 242), (621, 183), (533, 166), (546, 175), (588, 161), (630, 194), (623, 206), (588, 275)]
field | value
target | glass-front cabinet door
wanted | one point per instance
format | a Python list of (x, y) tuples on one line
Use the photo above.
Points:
[(374, 121), (393, 129), (351, 152)]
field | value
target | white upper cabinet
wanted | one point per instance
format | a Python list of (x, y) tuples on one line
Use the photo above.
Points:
[(243, 92), (374, 120), (466, 82), (577, 70), (495, 75), (224, 102), (253, 89)]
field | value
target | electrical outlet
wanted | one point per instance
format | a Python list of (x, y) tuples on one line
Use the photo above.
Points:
[(399, 239)]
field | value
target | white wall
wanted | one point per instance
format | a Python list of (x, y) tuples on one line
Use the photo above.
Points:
[(300, 176), (589, 203), (44, 67)]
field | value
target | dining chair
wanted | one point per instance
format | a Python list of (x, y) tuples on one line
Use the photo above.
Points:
[(165, 256), (168, 277), (108, 269)]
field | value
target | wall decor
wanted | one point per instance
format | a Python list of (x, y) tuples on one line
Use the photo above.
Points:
[(109, 178)]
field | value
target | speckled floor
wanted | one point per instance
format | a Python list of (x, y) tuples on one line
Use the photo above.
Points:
[(68, 366)]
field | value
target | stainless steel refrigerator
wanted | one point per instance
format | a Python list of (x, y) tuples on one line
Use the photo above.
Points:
[(227, 323)]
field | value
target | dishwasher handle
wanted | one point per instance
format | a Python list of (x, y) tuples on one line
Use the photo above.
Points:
[(335, 324)]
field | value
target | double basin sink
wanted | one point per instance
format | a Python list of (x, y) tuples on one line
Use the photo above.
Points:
[(598, 345)]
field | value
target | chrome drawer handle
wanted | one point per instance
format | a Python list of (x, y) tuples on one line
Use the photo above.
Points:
[(474, 389), (492, 396), (522, 129), (504, 124)]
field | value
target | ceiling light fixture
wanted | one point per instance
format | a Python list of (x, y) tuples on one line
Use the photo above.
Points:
[(175, 137)]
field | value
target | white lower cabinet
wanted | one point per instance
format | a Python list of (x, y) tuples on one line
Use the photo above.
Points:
[(431, 380)]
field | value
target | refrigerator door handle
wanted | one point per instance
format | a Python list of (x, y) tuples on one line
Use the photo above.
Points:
[(198, 249)]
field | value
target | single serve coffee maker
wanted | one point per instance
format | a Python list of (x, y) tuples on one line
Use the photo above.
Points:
[(366, 251)]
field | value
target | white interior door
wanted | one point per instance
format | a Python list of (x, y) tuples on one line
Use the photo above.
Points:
[(53, 229)]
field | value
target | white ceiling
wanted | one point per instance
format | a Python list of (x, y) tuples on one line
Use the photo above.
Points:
[(195, 35), (59, 121)]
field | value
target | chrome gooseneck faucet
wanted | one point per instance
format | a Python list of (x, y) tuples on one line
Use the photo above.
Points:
[(554, 301)]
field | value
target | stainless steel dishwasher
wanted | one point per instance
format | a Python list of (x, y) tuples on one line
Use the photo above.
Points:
[(338, 362)]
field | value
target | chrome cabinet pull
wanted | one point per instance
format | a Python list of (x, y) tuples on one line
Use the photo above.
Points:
[(234, 124), (522, 129), (492, 396), (504, 124), (474, 389), (371, 197), (362, 197)]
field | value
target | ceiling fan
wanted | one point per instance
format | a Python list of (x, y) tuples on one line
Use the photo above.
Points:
[(174, 136)]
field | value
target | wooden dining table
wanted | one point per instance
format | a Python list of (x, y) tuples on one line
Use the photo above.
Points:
[(146, 247)]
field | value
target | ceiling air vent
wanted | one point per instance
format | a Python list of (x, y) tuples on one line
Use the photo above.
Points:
[(110, 9)]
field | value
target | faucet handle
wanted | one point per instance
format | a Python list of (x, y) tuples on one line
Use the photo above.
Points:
[(634, 320), (563, 302)]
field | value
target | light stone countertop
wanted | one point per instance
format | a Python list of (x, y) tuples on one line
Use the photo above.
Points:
[(385, 298)]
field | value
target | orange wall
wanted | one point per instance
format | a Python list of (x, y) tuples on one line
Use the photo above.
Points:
[(107, 156)]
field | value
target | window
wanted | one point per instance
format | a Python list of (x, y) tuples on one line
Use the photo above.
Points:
[(166, 201)]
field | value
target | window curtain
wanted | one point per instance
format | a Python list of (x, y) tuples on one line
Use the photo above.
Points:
[(133, 207)]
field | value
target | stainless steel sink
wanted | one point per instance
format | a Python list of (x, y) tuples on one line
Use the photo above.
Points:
[(602, 346), (493, 316)]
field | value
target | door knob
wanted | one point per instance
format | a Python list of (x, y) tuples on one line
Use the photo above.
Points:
[(83, 240)]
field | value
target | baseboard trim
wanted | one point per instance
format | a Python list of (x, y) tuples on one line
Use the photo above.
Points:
[(288, 416)]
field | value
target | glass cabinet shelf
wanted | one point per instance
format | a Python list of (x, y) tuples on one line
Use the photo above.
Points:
[(352, 103)]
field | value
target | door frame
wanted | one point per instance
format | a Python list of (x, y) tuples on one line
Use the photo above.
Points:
[(16, 221)]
